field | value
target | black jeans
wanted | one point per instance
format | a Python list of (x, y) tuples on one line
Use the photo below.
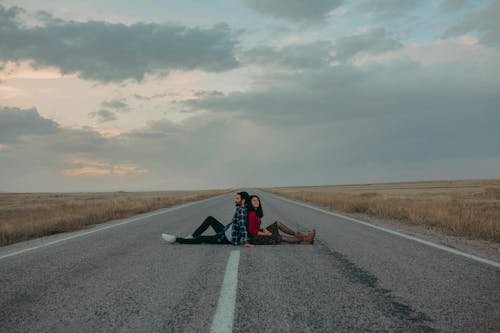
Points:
[(209, 222), (218, 238)]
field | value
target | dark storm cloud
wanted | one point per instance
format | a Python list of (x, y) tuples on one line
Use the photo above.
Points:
[(373, 41), (108, 52), (298, 56), (389, 8), (485, 23), (103, 116), (405, 111), (319, 54), (15, 122), (295, 10), (33, 128)]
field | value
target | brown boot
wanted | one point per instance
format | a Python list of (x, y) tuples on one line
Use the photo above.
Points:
[(310, 237)]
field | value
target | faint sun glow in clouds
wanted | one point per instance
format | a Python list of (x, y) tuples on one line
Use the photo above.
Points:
[(88, 167), (116, 95)]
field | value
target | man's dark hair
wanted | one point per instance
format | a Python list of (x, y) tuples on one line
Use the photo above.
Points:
[(251, 208), (244, 196)]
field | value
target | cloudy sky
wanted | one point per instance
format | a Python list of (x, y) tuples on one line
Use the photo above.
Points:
[(160, 95)]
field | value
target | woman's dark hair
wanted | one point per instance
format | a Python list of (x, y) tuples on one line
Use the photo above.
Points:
[(250, 208)]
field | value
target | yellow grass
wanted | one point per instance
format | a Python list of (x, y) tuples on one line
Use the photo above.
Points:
[(28, 215), (469, 208)]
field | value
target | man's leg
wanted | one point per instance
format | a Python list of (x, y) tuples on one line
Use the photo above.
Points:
[(209, 222), (213, 239)]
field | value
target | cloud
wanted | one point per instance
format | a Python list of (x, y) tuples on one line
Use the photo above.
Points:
[(80, 165), (486, 23), (312, 11), (15, 123), (39, 158), (116, 104), (7, 92), (389, 8), (154, 130), (453, 5), (103, 115), (305, 56), (152, 97), (373, 41), (388, 122), (205, 93), (108, 52), (296, 56), (202, 152), (400, 112)]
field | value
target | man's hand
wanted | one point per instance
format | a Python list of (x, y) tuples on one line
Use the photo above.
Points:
[(251, 246)]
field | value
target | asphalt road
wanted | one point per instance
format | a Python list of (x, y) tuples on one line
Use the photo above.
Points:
[(121, 277)]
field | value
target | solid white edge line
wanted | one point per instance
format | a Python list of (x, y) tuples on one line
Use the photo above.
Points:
[(224, 314), (97, 228), (441, 247)]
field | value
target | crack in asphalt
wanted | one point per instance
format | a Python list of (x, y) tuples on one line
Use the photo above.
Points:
[(387, 302)]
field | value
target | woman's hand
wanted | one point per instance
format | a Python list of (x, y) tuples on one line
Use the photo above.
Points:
[(249, 245), (266, 232)]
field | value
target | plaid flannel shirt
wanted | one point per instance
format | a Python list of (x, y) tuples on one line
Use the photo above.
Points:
[(239, 227)]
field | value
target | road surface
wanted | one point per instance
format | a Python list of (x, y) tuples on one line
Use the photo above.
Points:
[(121, 277)]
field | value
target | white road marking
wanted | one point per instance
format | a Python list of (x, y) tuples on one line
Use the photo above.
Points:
[(97, 229), (441, 247), (224, 314)]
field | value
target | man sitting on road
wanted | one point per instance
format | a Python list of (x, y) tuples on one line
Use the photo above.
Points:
[(235, 232)]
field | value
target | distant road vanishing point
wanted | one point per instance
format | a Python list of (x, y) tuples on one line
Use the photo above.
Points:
[(121, 277)]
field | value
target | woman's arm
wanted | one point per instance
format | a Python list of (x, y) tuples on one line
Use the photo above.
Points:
[(265, 232), (253, 224)]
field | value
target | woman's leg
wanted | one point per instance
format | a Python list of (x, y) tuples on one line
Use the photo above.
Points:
[(297, 236), (287, 230), (288, 239), (209, 222), (274, 227)]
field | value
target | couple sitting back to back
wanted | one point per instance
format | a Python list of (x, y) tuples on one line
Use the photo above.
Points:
[(244, 228)]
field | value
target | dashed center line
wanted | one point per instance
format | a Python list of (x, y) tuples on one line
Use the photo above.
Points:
[(224, 314)]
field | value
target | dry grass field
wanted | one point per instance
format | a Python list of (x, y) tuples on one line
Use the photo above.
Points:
[(466, 208), (28, 215)]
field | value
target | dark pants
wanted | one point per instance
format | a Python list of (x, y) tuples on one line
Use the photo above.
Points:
[(209, 222), (218, 238)]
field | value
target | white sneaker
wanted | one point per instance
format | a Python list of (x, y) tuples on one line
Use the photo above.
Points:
[(189, 237), (168, 238)]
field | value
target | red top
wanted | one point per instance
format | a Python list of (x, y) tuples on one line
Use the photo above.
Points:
[(253, 223)]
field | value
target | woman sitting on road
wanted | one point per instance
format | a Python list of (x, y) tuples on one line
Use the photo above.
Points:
[(270, 235)]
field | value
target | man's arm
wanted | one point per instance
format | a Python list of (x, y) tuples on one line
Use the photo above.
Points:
[(242, 223)]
